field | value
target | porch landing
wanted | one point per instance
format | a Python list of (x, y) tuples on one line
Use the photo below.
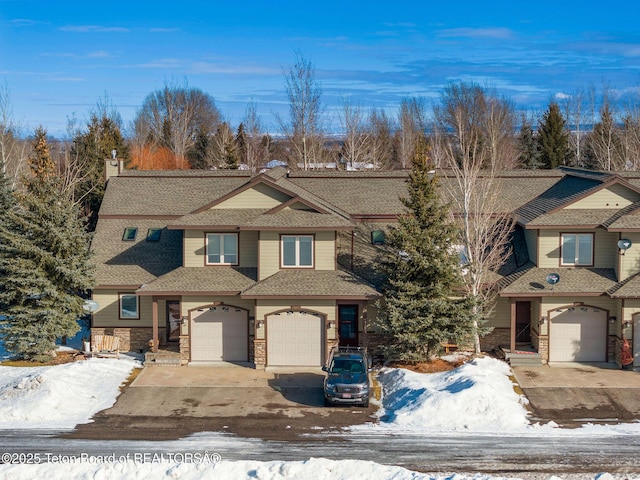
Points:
[(522, 356), (167, 355)]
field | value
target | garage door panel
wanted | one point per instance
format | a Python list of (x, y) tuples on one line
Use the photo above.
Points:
[(578, 335), (220, 335), (294, 340)]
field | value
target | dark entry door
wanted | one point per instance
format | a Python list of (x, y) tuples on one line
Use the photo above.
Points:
[(173, 321), (348, 325), (523, 322)]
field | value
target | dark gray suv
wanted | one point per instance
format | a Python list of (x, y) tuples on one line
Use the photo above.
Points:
[(347, 380)]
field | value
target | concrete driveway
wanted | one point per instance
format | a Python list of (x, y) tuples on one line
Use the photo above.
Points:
[(166, 402), (574, 393)]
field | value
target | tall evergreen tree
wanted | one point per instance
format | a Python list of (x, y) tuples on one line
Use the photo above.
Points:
[(45, 264), (553, 139), (422, 308), (528, 153), (90, 149)]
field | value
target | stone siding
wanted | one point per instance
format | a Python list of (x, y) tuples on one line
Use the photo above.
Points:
[(132, 339), (498, 337)]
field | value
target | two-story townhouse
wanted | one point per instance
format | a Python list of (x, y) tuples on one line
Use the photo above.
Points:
[(578, 299), (275, 268), (231, 266)]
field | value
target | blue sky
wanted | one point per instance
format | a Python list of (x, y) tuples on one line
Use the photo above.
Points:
[(59, 59)]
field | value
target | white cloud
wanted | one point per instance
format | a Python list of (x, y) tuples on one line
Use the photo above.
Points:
[(93, 29), (500, 33)]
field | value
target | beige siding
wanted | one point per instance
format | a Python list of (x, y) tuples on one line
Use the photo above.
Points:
[(616, 196), (324, 250), (501, 317), (109, 310), (604, 255), (195, 249), (260, 195), (269, 254), (531, 237), (630, 261)]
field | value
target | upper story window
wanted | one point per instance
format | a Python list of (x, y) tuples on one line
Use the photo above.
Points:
[(577, 249), (129, 307), (297, 251), (130, 234), (222, 249)]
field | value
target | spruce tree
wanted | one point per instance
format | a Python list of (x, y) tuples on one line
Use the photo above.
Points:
[(529, 155), (553, 139), (44, 262), (92, 148), (422, 307)]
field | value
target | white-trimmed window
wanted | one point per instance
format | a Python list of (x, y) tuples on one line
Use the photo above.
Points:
[(222, 249), (297, 251), (129, 307), (577, 249)]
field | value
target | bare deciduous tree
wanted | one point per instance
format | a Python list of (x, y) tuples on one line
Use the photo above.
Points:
[(380, 139), (255, 150), (412, 126), (173, 117), (303, 130), (474, 187), (14, 150), (356, 137)]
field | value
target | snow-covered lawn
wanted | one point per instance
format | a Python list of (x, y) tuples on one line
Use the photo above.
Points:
[(60, 396)]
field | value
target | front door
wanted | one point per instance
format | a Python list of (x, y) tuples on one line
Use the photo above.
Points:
[(348, 325), (523, 322), (173, 321)]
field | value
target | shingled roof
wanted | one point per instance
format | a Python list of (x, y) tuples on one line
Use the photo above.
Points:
[(335, 284), (202, 280), (573, 281)]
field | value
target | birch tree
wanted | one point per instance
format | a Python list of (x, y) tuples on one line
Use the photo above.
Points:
[(473, 186), (356, 136), (303, 130)]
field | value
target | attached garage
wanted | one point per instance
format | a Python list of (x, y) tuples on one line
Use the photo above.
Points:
[(219, 333), (295, 338), (578, 334)]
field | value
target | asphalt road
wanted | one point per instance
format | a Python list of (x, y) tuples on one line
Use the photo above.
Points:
[(497, 454)]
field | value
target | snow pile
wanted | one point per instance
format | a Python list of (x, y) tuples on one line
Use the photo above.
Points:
[(477, 396), (60, 396), (319, 469)]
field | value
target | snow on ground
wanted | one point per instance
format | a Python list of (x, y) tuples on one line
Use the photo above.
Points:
[(60, 396), (476, 397), (314, 468)]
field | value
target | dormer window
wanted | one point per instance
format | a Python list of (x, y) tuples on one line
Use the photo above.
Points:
[(153, 234), (130, 234), (296, 251), (577, 249)]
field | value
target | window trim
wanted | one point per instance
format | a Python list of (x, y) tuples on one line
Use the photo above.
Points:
[(125, 237), (297, 253), (151, 232), (577, 243), (222, 263), (128, 294)]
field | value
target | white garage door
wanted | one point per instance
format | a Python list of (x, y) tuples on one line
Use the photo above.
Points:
[(294, 339), (220, 334), (578, 334)]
